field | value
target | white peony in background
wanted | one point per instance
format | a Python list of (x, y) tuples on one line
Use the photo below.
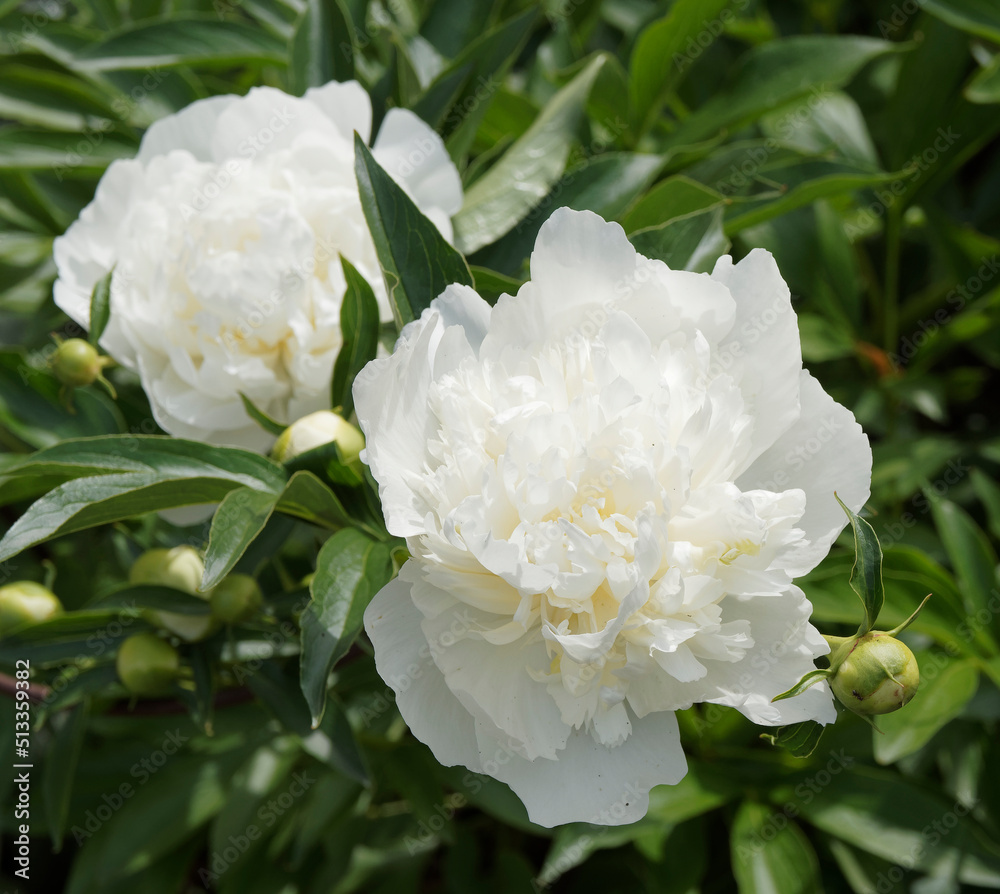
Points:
[(607, 484), (225, 234)]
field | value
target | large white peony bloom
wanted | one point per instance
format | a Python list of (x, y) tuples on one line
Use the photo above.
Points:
[(607, 484), (225, 234)]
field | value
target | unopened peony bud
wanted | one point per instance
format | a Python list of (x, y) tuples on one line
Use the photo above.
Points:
[(147, 665), (318, 429), (182, 569), (877, 674), (237, 598), (77, 363), (26, 603)]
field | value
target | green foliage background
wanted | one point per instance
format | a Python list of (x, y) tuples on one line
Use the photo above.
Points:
[(856, 141)]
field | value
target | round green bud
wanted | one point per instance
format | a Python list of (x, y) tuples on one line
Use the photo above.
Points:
[(878, 675), (26, 603), (318, 429), (77, 362), (237, 598), (147, 665), (182, 569)]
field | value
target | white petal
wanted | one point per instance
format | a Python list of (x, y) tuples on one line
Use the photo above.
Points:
[(461, 306), (191, 128), (429, 708), (415, 156), (824, 451), (581, 265), (764, 343), (347, 105), (590, 782)]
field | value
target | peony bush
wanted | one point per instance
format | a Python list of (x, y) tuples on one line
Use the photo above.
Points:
[(453, 447)]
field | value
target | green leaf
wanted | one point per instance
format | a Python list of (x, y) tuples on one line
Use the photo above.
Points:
[(659, 60), (153, 596), (693, 243), (493, 205), (241, 516), (808, 680), (988, 492), (455, 102), (776, 73), (350, 569), (272, 426), (182, 41), (969, 551), (333, 743), (100, 307), (26, 149), (942, 695), (59, 769), (115, 478), (771, 853), (308, 498), (360, 326), (891, 817), (985, 86), (800, 739), (981, 17), (417, 262), (670, 199), (605, 185), (866, 575), (322, 46)]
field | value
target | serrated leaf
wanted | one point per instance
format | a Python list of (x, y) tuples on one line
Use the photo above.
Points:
[(360, 327), (350, 569), (866, 575), (100, 307), (417, 262)]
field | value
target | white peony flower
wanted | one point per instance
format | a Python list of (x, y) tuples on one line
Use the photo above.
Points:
[(607, 484), (225, 234)]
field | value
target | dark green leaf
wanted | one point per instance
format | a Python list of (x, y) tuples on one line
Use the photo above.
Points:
[(693, 243), (803, 684), (771, 853), (534, 163), (60, 766), (662, 53), (416, 260), (360, 326), (980, 17), (969, 551), (308, 498), (866, 575), (350, 569), (322, 46), (241, 516), (182, 41), (272, 426), (153, 596), (132, 476), (100, 307)]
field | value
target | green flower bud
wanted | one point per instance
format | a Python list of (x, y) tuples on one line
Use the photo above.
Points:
[(26, 603), (182, 569), (237, 598), (318, 429), (76, 363), (147, 665), (875, 674)]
